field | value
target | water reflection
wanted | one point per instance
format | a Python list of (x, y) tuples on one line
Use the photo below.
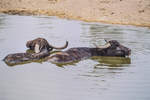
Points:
[(2, 25), (103, 61), (112, 62), (2, 20), (97, 33)]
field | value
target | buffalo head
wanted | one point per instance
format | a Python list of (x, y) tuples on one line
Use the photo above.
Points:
[(113, 48)]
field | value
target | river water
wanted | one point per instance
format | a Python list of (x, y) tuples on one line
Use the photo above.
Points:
[(102, 78)]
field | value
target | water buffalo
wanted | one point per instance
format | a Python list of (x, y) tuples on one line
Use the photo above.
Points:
[(41, 49), (111, 48)]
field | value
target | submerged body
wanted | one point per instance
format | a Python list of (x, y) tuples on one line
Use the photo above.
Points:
[(71, 55), (112, 48), (40, 47), (18, 58)]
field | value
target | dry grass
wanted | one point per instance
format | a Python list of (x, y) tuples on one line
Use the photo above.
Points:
[(132, 12)]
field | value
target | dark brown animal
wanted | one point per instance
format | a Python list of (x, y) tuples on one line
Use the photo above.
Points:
[(111, 48), (19, 58), (41, 49)]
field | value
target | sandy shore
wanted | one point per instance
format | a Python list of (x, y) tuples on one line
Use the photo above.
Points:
[(128, 12)]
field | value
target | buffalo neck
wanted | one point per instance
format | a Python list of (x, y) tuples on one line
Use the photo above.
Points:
[(98, 51)]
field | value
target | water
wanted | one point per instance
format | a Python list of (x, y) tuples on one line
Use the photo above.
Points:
[(106, 78)]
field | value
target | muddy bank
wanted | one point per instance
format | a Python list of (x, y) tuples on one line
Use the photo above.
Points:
[(128, 12)]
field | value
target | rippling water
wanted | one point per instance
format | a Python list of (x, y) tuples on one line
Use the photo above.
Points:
[(105, 78)]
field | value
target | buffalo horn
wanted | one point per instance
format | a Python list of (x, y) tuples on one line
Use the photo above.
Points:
[(63, 47), (103, 46)]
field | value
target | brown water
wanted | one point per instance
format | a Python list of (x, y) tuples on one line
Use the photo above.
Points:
[(102, 78)]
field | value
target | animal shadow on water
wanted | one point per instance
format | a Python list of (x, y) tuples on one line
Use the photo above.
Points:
[(42, 51), (111, 62)]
